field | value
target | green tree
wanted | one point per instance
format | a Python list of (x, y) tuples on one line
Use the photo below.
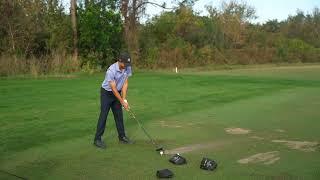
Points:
[(100, 37)]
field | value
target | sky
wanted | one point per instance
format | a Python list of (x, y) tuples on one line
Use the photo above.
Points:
[(265, 9)]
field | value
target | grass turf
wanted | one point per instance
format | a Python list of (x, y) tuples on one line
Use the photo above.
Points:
[(47, 124)]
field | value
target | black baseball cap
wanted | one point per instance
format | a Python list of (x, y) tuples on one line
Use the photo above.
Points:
[(125, 58)]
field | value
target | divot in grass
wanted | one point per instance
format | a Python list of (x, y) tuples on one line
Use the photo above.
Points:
[(264, 158), (196, 147), (237, 131), (165, 124), (304, 146), (280, 130), (175, 124), (257, 137)]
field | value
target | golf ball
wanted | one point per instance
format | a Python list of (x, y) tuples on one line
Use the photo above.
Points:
[(161, 153)]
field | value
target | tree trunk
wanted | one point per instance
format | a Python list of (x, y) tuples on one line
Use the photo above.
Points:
[(124, 12), (129, 13), (74, 30), (133, 34), (12, 39), (131, 10)]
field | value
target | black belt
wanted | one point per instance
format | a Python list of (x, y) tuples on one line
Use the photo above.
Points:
[(109, 92)]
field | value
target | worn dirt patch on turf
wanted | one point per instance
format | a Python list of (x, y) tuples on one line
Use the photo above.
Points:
[(176, 124), (170, 125), (237, 131), (265, 158), (196, 147), (257, 137), (280, 130), (299, 145)]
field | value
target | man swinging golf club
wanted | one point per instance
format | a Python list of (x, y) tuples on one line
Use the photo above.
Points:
[(113, 95)]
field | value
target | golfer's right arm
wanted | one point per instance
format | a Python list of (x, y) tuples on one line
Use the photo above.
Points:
[(117, 95)]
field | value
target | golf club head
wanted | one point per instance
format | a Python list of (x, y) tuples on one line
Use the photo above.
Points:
[(160, 149)]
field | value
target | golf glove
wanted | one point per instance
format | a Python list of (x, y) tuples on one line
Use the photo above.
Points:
[(126, 101)]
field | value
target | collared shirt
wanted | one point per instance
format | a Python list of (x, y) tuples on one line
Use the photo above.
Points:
[(118, 76)]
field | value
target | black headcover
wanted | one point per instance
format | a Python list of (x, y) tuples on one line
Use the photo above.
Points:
[(178, 160), (164, 173), (208, 164)]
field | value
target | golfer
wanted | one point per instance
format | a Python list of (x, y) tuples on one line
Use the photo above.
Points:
[(113, 95)]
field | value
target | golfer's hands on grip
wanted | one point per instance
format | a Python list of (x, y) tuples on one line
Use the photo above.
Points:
[(125, 104)]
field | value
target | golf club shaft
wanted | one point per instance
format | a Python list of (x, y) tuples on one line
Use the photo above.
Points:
[(19, 177), (141, 126)]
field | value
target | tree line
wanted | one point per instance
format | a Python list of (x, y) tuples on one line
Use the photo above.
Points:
[(44, 36)]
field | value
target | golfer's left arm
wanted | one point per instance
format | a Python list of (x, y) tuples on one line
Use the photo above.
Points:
[(124, 89)]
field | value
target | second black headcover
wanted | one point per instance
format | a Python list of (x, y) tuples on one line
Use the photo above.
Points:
[(178, 160), (164, 173), (208, 164)]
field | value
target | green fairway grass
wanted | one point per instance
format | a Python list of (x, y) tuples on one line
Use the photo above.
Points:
[(47, 124)]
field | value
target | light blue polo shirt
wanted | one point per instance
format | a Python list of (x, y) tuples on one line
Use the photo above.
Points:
[(115, 74)]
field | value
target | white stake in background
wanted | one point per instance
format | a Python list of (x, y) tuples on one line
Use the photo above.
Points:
[(176, 69)]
